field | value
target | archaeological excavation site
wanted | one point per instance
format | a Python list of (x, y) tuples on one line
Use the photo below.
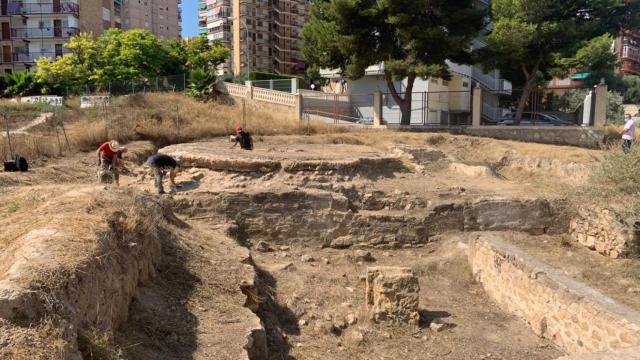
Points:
[(403, 246)]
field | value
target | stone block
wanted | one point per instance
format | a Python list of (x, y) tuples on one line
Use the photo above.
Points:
[(392, 295)]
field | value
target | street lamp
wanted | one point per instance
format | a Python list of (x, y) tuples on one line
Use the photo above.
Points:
[(246, 36)]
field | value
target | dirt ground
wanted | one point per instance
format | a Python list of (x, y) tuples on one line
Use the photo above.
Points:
[(192, 308), (329, 289)]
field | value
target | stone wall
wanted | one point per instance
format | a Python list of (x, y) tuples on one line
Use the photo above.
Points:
[(557, 135), (599, 230), (341, 222), (576, 317)]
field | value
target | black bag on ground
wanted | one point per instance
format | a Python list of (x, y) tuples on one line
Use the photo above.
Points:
[(10, 166), (21, 163), (245, 141)]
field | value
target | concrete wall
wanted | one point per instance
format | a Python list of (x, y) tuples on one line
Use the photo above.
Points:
[(557, 135), (576, 317)]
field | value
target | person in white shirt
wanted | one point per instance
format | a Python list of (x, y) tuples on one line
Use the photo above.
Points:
[(628, 133)]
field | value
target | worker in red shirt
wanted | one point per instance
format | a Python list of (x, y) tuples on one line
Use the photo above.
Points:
[(109, 158)]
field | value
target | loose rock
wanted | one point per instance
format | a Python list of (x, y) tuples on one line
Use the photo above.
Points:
[(307, 258), (437, 325), (263, 246), (363, 256)]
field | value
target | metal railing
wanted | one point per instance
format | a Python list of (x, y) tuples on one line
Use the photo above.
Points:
[(48, 32), (32, 57), (64, 7)]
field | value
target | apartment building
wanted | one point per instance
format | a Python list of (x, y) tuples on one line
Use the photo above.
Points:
[(214, 23), (39, 28), (627, 48), (162, 17), (263, 35), (288, 18), (213, 20), (35, 28), (98, 16)]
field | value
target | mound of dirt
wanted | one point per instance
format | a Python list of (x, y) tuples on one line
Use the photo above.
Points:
[(70, 268)]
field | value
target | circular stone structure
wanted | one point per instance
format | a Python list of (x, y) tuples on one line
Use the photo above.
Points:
[(274, 157)]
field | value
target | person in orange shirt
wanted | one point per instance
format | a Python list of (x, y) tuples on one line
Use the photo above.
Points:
[(109, 159)]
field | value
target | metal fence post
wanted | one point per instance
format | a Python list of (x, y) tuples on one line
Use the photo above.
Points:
[(64, 132), (6, 125), (178, 121)]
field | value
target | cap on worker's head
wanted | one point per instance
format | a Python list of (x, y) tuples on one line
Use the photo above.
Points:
[(238, 129), (115, 146)]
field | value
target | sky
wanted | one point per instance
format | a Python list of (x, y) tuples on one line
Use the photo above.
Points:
[(189, 18)]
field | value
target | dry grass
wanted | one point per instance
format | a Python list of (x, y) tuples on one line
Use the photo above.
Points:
[(613, 134), (168, 118), (615, 181), (21, 114), (31, 146)]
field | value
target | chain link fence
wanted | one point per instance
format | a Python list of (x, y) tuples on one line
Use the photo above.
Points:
[(170, 83)]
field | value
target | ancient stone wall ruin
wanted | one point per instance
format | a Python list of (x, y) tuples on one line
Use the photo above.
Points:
[(313, 216), (599, 230), (576, 317)]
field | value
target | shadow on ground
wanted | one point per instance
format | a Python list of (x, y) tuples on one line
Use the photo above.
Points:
[(279, 320), (160, 326)]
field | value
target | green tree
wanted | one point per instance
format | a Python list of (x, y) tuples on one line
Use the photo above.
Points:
[(534, 36), (201, 54), (596, 58), (413, 38), (176, 57), (126, 55), (632, 92), (121, 56)]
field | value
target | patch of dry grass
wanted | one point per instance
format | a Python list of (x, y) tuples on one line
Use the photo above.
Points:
[(167, 118), (615, 182), (31, 146)]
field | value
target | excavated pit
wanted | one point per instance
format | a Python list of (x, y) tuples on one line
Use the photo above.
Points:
[(266, 253), (308, 230), (125, 278)]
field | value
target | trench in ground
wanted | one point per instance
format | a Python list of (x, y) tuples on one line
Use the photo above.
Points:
[(308, 305)]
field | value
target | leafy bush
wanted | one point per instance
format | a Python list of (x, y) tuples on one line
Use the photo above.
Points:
[(20, 84), (202, 84)]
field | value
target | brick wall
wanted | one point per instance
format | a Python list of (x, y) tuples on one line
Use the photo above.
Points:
[(574, 316)]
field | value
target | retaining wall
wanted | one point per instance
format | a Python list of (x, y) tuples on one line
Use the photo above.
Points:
[(576, 317), (557, 135)]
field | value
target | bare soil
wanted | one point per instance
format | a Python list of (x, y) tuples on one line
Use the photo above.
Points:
[(193, 308), (329, 289)]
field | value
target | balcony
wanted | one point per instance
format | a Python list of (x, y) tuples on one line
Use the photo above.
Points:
[(31, 58), (286, 48), (44, 33), (64, 7), (287, 10)]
